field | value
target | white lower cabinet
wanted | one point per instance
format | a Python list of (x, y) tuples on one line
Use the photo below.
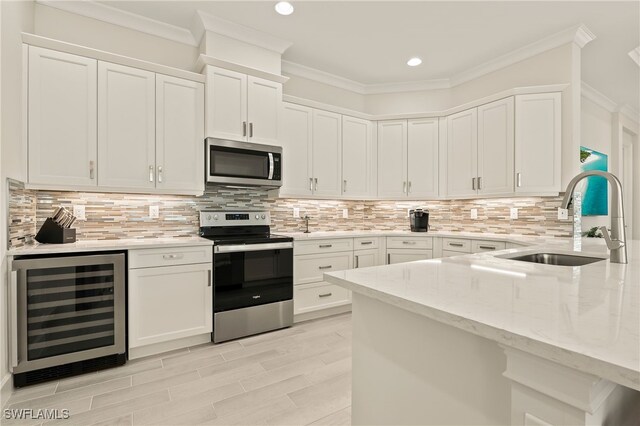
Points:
[(318, 296), (407, 255), (366, 258), (168, 304)]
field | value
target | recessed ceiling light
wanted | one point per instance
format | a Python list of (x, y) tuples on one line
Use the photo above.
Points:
[(414, 62), (284, 8)]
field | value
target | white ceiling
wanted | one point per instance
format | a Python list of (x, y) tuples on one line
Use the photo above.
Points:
[(370, 41)]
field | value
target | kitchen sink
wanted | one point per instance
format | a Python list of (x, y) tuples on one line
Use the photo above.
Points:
[(557, 259)]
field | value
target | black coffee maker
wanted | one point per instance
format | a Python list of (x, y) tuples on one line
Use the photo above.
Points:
[(419, 220)]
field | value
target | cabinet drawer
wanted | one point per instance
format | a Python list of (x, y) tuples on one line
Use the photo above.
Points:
[(410, 242), (456, 244), (365, 243), (407, 255), (478, 246), (146, 258), (309, 268), (323, 246), (451, 253), (312, 297)]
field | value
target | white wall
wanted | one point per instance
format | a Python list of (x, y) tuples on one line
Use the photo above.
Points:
[(16, 17)]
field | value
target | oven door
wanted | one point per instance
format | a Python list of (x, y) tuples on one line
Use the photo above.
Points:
[(242, 163), (251, 275)]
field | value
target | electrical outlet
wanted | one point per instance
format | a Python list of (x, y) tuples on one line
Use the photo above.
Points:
[(563, 214), (474, 213), (79, 212), (154, 212), (345, 213), (513, 213), (296, 212)]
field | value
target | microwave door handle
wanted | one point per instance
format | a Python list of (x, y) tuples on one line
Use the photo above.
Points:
[(270, 166)]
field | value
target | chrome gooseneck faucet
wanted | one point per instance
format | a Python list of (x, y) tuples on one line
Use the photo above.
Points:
[(616, 242)]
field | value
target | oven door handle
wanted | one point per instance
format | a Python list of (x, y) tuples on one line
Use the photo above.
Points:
[(252, 247), (270, 177)]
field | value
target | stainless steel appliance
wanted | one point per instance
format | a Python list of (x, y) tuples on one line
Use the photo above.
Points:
[(235, 163), (67, 315), (419, 220), (252, 274)]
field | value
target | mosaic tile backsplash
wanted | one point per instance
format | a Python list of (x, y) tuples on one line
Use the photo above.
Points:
[(113, 216)]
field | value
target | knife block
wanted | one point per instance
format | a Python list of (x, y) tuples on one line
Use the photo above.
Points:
[(52, 233)]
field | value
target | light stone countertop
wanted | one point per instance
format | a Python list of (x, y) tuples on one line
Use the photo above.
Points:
[(109, 245), (587, 318)]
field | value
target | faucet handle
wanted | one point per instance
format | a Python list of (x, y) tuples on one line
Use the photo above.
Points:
[(611, 244)]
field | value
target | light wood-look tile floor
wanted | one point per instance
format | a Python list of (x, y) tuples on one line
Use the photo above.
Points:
[(296, 376)]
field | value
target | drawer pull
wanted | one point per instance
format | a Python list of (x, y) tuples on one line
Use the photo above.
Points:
[(256, 296), (409, 242), (366, 243), (325, 295), (325, 245), (173, 256), (488, 247), (456, 244), (324, 267)]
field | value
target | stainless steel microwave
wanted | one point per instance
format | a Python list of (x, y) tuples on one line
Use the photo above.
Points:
[(233, 163)]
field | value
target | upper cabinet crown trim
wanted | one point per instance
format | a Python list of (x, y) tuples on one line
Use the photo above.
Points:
[(61, 46), (204, 60)]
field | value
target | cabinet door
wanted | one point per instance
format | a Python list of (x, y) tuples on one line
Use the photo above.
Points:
[(538, 143), (365, 258), (327, 153), (169, 303), (462, 171), (62, 118), (226, 104), (495, 148), (357, 152), (126, 126), (179, 134), (403, 255), (422, 158), (264, 106), (392, 158), (295, 136)]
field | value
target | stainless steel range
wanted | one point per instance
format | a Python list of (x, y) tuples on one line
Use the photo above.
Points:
[(253, 274)]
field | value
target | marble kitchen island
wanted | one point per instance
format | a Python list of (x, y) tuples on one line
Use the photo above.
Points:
[(482, 339)]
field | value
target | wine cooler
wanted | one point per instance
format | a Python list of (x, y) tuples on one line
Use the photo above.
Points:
[(68, 316)]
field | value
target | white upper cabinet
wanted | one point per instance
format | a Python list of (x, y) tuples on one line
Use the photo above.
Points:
[(538, 143), (462, 166), (62, 118), (357, 157), (422, 158), (327, 153), (179, 134), (495, 148), (296, 139), (226, 104), (264, 105), (242, 107), (126, 126), (392, 158)]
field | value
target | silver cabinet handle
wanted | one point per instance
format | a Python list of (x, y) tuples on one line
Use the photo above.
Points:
[(409, 188), (159, 174), (325, 267), (91, 170), (210, 279), (519, 179), (456, 244), (404, 187), (356, 256), (325, 295), (310, 184), (244, 128), (173, 256), (344, 185), (315, 180), (366, 243), (250, 130), (487, 247), (325, 245), (473, 183), (409, 242), (150, 173), (479, 182)]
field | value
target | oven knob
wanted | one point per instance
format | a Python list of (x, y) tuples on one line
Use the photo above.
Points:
[(264, 216), (215, 217), (257, 216), (208, 217)]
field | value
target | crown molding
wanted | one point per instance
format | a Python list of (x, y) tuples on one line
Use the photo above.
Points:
[(292, 68), (598, 97), (204, 60), (630, 112), (635, 55), (112, 15), (583, 36), (240, 32)]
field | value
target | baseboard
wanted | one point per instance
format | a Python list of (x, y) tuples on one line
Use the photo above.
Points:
[(6, 388), (159, 348), (322, 313)]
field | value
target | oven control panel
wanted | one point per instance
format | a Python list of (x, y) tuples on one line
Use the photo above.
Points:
[(227, 218)]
